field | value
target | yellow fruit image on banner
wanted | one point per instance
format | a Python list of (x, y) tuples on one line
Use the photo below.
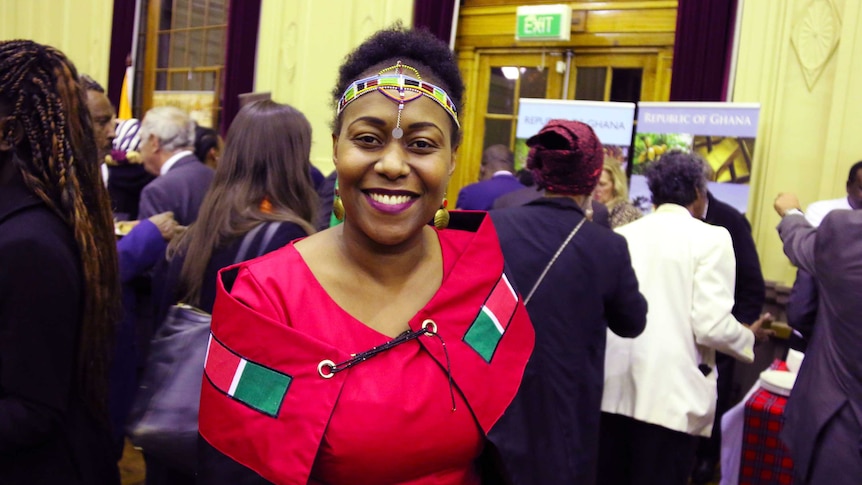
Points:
[(649, 147)]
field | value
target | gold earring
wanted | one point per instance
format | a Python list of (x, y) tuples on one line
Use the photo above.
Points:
[(338, 207), (441, 217)]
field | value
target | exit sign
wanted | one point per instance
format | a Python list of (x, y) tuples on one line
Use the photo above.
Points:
[(544, 22)]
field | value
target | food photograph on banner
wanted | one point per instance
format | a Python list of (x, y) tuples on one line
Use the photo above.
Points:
[(722, 133), (612, 122)]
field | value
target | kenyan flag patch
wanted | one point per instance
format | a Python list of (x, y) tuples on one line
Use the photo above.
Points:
[(488, 328), (258, 387)]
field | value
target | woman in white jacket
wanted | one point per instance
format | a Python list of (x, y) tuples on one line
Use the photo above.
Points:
[(659, 393)]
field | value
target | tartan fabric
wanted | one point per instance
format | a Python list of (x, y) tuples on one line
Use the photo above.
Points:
[(765, 460)]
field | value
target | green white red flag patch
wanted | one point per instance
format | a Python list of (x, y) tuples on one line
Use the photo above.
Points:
[(493, 319), (252, 384)]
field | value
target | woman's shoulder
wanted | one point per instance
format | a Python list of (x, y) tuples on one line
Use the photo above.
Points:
[(624, 212), (273, 259), (35, 226)]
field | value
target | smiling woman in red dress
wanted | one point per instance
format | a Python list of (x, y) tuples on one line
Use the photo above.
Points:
[(383, 349)]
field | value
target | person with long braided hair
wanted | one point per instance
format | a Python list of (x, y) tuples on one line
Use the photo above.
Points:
[(59, 295)]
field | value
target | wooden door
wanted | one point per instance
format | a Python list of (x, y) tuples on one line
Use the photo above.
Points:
[(613, 76), (503, 79)]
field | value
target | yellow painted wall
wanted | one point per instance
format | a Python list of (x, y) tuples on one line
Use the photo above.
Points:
[(302, 43), (809, 136), (79, 28)]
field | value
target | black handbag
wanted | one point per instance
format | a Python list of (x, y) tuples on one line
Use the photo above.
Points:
[(164, 417)]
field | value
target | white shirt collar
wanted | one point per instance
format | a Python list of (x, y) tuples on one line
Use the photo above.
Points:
[(501, 172), (171, 161), (673, 209)]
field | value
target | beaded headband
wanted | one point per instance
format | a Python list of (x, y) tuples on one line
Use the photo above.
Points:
[(393, 79)]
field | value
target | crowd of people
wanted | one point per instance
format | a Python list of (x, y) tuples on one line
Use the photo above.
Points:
[(547, 333)]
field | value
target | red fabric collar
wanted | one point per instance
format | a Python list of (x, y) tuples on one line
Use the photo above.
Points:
[(282, 449)]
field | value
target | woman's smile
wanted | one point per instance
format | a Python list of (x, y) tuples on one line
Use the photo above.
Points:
[(389, 201)]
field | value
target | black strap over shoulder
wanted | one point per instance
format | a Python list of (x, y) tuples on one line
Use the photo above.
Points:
[(229, 276)]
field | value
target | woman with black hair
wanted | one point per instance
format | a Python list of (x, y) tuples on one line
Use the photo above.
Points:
[(383, 349), (59, 292), (208, 146)]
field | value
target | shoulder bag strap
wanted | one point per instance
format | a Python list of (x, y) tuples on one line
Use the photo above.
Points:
[(267, 237), (553, 260), (271, 228), (246, 243)]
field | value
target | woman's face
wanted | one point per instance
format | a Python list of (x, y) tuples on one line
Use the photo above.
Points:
[(604, 189), (391, 187)]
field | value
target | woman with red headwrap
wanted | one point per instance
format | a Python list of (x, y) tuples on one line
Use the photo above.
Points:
[(578, 281)]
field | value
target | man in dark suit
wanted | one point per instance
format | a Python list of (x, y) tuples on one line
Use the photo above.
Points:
[(167, 138), (495, 179), (802, 304), (748, 298), (823, 418)]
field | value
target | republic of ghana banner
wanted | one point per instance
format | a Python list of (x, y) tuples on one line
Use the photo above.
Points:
[(722, 133), (612, 123)]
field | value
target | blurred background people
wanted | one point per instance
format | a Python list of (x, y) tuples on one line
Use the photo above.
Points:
[(595, 212), (803, 301), (208, 146), (749, 295), (121, 171), (262, 178), (103, 114), (496, 178), (613, 191), (379, 294), (125, 172), (660, 387), (137, 254), (550, 434), (823, 417), (816, 211), (167, 139), (59, 295)]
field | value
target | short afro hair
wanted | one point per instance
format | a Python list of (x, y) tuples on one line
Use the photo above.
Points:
[(676, 178), (417, 48)]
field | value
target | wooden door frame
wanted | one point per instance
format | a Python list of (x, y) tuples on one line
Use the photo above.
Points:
[(478, 67), (646, 59), (476, 64), (151, 55)]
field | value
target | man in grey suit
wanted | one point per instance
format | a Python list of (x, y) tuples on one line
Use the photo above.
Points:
[(823, 425), (167, 137)]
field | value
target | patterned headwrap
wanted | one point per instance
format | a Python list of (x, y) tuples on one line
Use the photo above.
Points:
[(125, 148), (566, 157)]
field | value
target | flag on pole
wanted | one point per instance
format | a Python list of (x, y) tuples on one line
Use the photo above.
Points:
[(125, 111)]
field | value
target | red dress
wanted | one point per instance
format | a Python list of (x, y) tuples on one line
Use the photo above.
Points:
[(388, 419)]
